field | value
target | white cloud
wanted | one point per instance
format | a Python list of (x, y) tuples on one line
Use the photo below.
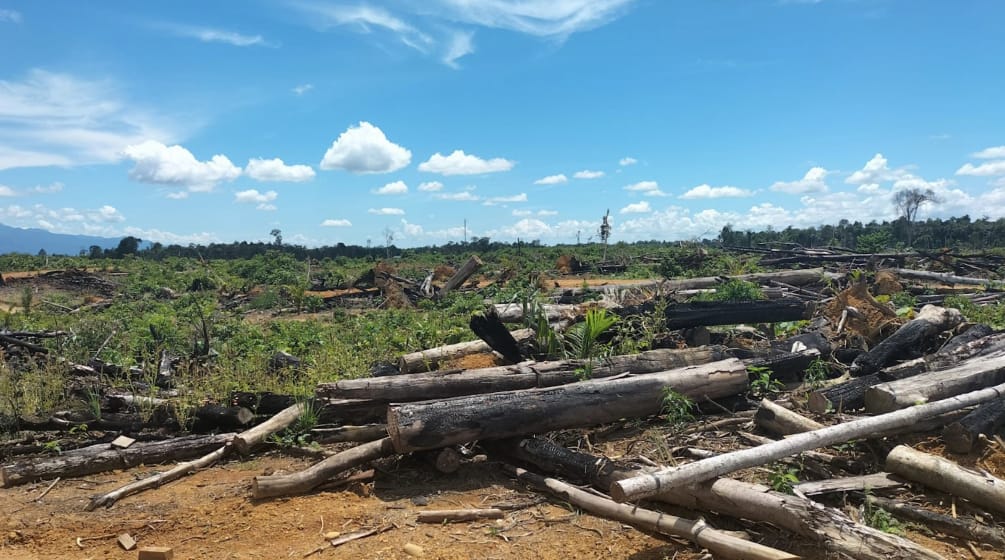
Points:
[(168, 237), (522, 197), (302, 88), (625, 161), (708, 191), (365, 149), (543, 18), (366, 19), (459, 163), (336, 223), (815, 180), (176, 166), (59, 119), (875, 170), (10, 16), (210, 35), (252, 196), (277, 171), (637, 208), (643, 186), (54, 187), (461, 44), (386, 211), (986, 169), (89, 221), (6, 191), (177, 195), (588, 174), (996, 152), (431, 186), (463, 196), (552, 180), (397, 187), (547, 212)]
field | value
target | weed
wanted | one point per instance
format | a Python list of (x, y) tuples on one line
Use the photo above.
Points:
[(583, 340), (816, 374), (784, 479), (880, 519), (677, 409), (732, 290), (52, 447), (763, 385)]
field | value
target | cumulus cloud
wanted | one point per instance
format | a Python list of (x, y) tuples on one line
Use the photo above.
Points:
[(87, 221), (463, 196), (54, 187), (996, 152), (588, 174), (431, 186), (252, 196), (552, 180), (625, 161), (708, 191), (6, 191), (522, 197), (637, 208), (277, 171), (987, 169), (645, 188), (386, 211), (365, 149), (459, 163), (813, 181), (397, 187), (875, 170), (175, 166), (336, 223)]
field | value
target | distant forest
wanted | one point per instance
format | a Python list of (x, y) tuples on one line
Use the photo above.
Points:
[(961, 234)]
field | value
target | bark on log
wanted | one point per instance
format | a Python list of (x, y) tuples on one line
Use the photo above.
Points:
[(352, 411), (864, 483), (707, 313), (964, 378), (945, 475), (437, 385), (961, 436), (553, 312), (102, 458), (786, 366), (315, 475), (955, 527), (245, 441), (435, 424), (462, 275), (720, 543), (653, 484), (446, 460), (493, 332), (782, 421), (458, 515), (365, 433), (429, 360), (834, 531), (942, 278), (910, 340), (213, 416)]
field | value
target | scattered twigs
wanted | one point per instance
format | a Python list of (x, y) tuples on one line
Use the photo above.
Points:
[(458, 515), (48, 489)]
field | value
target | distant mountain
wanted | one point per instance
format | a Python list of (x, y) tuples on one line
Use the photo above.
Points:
[(30, 240)]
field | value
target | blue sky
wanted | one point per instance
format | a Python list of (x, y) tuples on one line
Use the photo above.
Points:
[(190, 121)]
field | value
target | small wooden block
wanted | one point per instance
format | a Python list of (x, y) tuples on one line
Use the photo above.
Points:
[(156, 553), (126, 541), (123, 442)]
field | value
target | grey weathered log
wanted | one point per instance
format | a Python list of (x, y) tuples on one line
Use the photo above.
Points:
[(553, 312), (942, 474), (801, 277), (962, 435), (828, 527), (436, 385), (969, 376), (467, 269), (305, 480), (960, 527), (656, 483), (429, 360), (942, 277), (782, 421), (102, 458), (247, 440), (909, 341), (864, 483), (435, 424)]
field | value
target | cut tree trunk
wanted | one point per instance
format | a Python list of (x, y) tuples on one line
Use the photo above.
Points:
[(941, 277), (945, 475), (493, 332), (317, 474), (828, 527), (707, 313), (462, 275), (782, 421), (910, 340), (102, 458), (553, 312), (437, 385), (961, 436), (435, 424), (213, 416), (964, 378), (246, 441), (953, 526), (365, 433), (692, 473), (429, 360)]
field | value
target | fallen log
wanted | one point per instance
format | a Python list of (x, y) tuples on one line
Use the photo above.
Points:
[(245, 441), (317, 474), (435, 424), (458, 515), (493, 332), (213, 416), (429, 360), (828, 527), (656, 483), (461, 276), (782, 421), (961, 436), (864, 483), (368, 432), (102, 458), (942, 474), (436, 385), (553, 312), (964, 378), (909, 341), (801, 277), (708, 313), (942, 278), (953, 526)]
